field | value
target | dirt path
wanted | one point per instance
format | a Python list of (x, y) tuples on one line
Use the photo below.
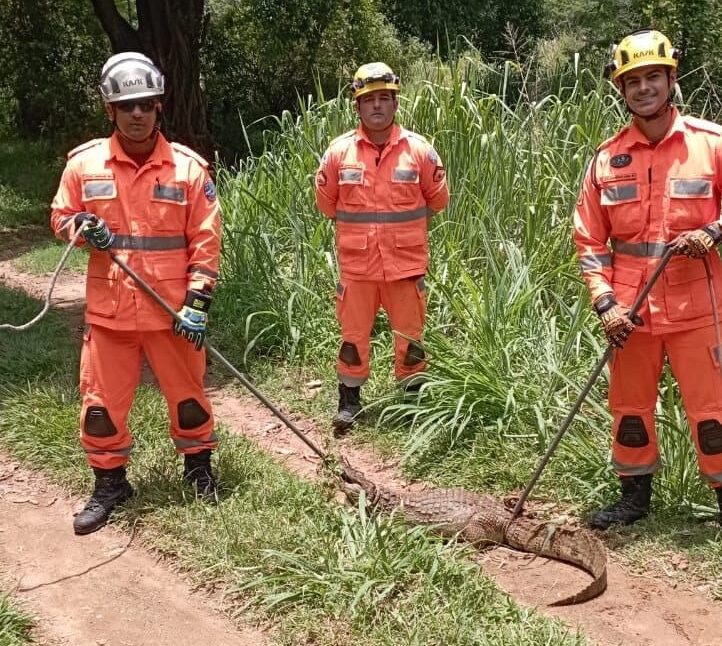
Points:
[(635, 610)]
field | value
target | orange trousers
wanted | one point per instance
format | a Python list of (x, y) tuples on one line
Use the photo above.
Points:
[(110, 365), (635, 374), (357, 303)]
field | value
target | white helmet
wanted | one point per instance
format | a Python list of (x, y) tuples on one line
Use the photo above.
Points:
[(130, 75)]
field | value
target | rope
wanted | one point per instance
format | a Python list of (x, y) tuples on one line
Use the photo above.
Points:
[(51, 286)]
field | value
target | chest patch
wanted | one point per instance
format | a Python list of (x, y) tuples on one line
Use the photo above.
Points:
[(168, 193), (620, 161)]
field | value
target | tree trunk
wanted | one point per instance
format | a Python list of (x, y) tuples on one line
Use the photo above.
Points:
[(171, 33)]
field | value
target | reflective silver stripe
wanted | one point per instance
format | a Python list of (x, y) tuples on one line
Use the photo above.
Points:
[(114, 452), (350, 175), (149, 243), (170, 193), (351, 382), (202, 270), (640, 249), (380, 218), (98, 189), (715, 478), (613, 194), (636, 469), (183, 443), (405, 175), (696, 187), (595, 261)]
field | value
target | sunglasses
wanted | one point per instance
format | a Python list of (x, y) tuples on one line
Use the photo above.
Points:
[(146, 105), (387, 78)]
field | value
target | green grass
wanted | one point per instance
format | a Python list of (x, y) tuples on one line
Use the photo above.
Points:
[(29, 175), (15, 624), (45, 257), (282, 548)]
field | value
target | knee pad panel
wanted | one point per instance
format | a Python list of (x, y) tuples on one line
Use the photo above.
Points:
[(349, 354), (414, 354), (709, 433), (191, 414), (632, 433), (97, 422)]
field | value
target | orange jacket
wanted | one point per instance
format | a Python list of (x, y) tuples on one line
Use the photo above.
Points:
[(380, 202), (167, 223), (635, 198)]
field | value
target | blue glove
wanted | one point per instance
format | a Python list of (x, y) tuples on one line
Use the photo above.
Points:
[(96, 233), (193, 317)]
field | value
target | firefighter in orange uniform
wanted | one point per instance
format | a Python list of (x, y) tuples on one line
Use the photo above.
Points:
[(153, 204), (379, 183), (656, 183)]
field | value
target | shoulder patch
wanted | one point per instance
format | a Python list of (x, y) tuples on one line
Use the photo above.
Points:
[(189, 152), (209, 189), (414, 135), (703, 124), (346, 135), (86, 146)]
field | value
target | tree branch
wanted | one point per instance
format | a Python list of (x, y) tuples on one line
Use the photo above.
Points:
[(122, 36)]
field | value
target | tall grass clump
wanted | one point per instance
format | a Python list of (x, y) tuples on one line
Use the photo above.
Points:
[(15, 625), (510, 336)]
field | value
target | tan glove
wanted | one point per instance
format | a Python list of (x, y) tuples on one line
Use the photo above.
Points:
[(616, 323), (697, 243)]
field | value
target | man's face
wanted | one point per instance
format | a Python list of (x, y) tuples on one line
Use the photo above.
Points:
[(135, 118), (377, 109), (646, 89)]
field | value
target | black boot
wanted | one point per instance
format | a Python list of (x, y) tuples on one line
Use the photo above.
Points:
[(633, 505), (349, 406), (111, 489), (718, 491), (198, 474)]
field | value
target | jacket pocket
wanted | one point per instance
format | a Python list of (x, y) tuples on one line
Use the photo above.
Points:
[(404, 185), (691, 203), (411, 250), (625, 283), (171, 280), (353, 253), (99, 195), (102, 287), (624, 205), (167, 209), (686, 293)]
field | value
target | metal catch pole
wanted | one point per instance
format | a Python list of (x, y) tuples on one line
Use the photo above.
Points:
[(236, 373), (588, 385)]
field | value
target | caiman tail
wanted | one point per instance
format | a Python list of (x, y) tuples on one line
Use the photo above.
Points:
[(574, 545)]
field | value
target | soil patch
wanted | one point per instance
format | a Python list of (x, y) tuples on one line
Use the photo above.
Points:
[(635, 610)]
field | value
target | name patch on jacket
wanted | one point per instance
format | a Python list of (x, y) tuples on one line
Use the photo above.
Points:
[(405, 175), (169, 193), (690, 188), (351, 176), (99, 186), (618, 194)]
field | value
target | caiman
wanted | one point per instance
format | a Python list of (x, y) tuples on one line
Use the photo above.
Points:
[(484, 521)]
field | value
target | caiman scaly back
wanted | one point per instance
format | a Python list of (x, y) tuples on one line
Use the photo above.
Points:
[(483, 520)]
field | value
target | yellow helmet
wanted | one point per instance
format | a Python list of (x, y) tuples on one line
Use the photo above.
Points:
[(641, 48), (374, 76)]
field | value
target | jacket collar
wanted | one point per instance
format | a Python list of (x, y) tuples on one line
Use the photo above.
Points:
[(394, 136), (635, 137), (161, 154)]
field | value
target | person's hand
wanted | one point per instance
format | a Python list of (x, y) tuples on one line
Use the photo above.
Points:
[(193, 318), (697, 243), (616, 323), (96, 233)]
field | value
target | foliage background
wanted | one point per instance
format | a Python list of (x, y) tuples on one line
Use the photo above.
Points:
[(260, 56)]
